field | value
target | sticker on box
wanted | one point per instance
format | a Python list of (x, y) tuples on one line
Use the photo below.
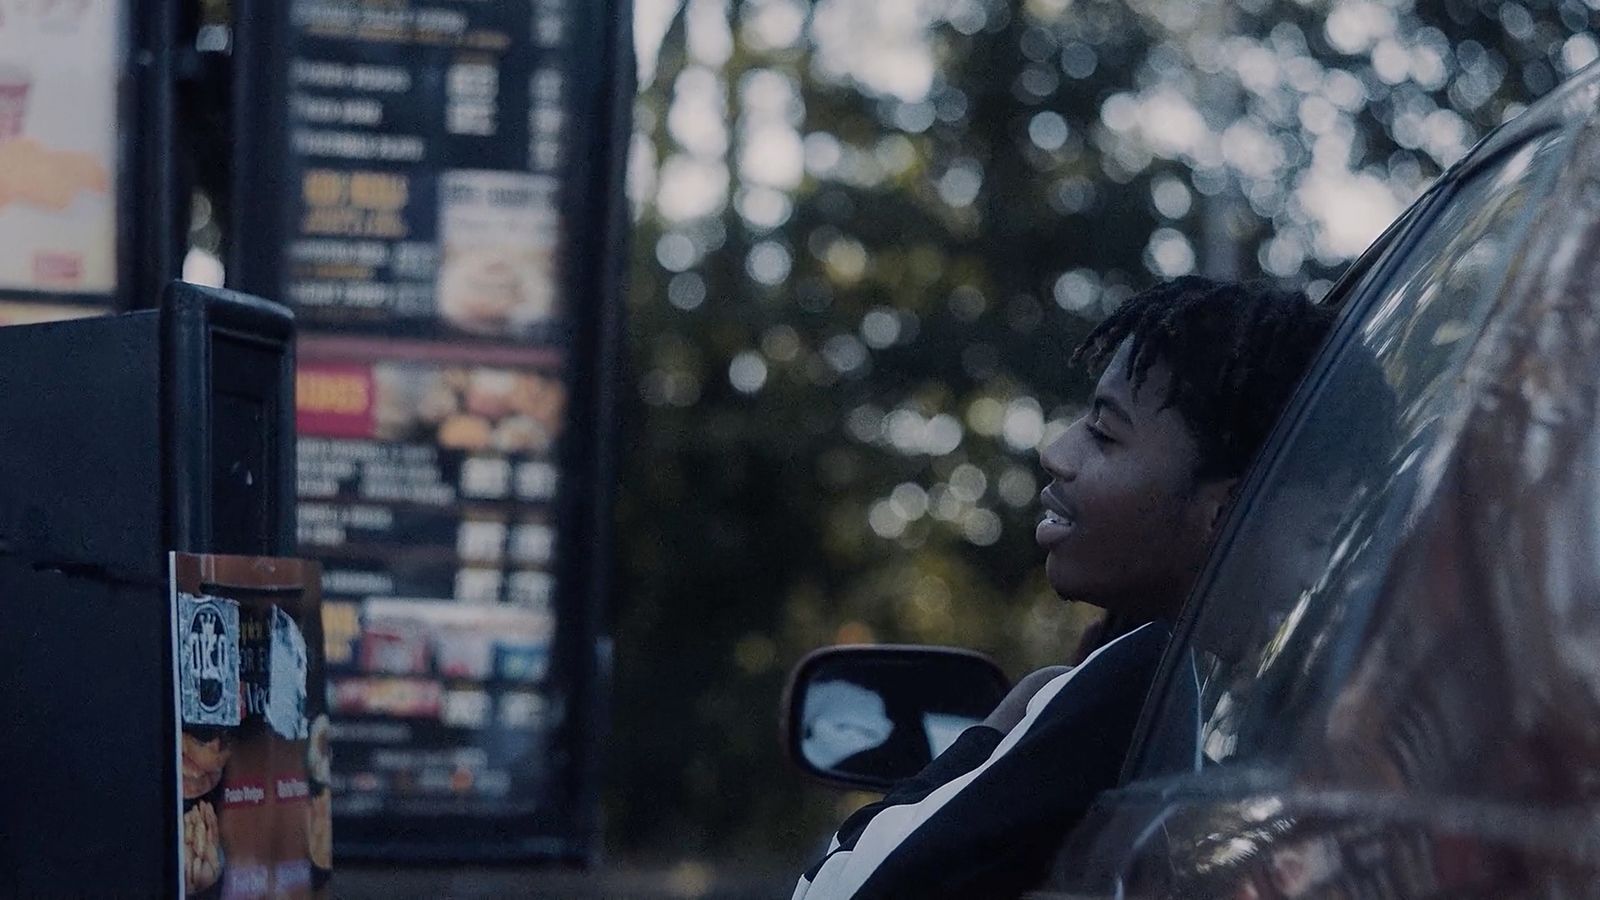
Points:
[(208, 668), (286, 679)]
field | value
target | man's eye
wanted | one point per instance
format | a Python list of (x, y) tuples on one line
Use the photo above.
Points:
[(1100, 437)]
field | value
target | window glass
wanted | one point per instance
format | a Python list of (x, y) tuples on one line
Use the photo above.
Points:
[(1285, 612)]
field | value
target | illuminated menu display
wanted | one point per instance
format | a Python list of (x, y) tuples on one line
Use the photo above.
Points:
[(441, 248)]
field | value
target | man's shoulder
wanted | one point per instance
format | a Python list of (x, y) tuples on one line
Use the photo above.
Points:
[(1118, 673), (1141, 645)]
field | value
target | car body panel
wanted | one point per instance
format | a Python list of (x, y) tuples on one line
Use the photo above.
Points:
[(1358, 845)]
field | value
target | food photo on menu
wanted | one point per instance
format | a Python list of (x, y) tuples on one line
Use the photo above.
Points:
[(493, 280), (468, 408)]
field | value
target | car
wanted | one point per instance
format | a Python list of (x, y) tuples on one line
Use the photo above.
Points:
[(1386, 682)]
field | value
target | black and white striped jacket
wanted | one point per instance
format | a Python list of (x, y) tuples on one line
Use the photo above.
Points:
[(986, 818)]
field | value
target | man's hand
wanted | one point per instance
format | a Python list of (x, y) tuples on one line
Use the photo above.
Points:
[(1011, 710)]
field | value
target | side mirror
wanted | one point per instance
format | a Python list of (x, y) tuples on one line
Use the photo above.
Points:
[(868, 716)]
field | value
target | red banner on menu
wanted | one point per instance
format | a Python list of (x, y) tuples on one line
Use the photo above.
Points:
[(334, 400)]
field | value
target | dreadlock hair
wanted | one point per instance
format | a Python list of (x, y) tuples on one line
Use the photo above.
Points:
[(1236, 352)]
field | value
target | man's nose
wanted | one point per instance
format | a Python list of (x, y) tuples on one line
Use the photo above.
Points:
[(1059, 459)]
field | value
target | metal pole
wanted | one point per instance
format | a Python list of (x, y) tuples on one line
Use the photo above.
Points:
[(258, 203), (160, 213), (605, 367)]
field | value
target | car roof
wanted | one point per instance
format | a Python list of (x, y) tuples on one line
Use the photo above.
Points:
[(1571, 102)]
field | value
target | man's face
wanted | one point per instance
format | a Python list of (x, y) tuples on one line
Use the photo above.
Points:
[(1126, 523)]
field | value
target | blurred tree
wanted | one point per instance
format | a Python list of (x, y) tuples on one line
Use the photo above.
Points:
[(870, 231)]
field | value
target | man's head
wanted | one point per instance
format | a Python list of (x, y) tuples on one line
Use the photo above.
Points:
[(1193, 374)]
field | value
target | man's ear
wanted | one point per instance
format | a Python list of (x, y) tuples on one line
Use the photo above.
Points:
[(1213, 500)]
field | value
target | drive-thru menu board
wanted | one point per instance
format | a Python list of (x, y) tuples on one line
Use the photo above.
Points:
[(449, 222)]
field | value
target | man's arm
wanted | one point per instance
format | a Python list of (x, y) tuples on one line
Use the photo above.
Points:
[(966, 753), (960, 829)]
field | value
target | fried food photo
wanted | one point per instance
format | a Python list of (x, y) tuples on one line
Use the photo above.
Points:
[(466, 432), (203, 762), (202, 847)]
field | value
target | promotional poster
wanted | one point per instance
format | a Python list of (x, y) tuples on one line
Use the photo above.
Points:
[(60, 65), (255, 762)]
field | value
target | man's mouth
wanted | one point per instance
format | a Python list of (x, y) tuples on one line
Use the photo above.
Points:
[(1055, 505), (1056, 523)]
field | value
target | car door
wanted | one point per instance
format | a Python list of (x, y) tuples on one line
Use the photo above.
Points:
[(1239, 726)]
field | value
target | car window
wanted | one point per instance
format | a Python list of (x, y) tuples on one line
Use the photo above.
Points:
[(1279, 621)]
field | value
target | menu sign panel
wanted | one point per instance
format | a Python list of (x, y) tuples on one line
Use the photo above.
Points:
[(429, 137), (426, 487), (449, 212), (60, 67)]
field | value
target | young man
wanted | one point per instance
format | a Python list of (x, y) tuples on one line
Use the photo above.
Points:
[(1193, 374)]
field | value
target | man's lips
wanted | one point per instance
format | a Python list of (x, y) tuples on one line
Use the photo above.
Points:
[(1054, 501), (1058, 519)]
